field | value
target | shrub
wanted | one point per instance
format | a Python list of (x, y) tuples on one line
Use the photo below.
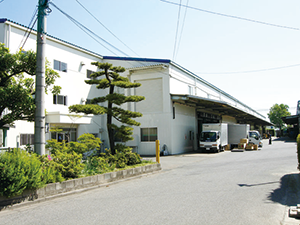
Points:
[(18, 171), (50, 171), (298, 150), (53, 146), (123, 157), (68, 164), (90, 141), (133, 158), (79, 148), (97, 165)]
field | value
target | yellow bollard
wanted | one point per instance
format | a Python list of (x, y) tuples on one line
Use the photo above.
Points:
[(157, 151)]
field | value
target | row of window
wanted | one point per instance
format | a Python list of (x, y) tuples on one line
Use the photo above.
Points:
[(69, 134), (63, 100), (61, 66)]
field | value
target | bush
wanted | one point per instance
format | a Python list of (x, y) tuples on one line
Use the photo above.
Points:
[(19, 171), (54, 146), (79, 148), (298, 150), (90, 141), (123, 157), (133, 159), (50, 171), (86, 142), (97, 165), (68, 164)]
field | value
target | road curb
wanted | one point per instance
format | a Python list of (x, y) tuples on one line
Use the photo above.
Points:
[(69, 187)]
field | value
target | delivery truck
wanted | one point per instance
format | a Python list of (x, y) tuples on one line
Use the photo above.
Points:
[(213, 137), (236, 132), (255, 138)]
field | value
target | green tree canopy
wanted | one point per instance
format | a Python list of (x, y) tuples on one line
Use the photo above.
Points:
[(16, 89), (114, 100), (277, 112)]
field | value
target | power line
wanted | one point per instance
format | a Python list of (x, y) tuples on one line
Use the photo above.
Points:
[(234, 17), (178, 18), (251, 71), (86, 30), (181, 30), (33, 16), (105, 27)]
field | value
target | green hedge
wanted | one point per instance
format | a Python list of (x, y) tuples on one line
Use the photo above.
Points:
[(19, 170)]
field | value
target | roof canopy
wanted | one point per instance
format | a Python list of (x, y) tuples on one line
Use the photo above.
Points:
[(291, 119), (219, 108)]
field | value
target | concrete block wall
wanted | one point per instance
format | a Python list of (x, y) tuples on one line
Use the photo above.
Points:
[(75, 185)]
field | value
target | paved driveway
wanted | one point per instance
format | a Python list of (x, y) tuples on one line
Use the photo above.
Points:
[(253, 187)]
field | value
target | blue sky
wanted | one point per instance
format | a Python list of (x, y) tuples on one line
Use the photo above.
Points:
[(221, 49)]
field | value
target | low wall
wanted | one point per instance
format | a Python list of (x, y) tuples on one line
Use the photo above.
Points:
[(70, 186)]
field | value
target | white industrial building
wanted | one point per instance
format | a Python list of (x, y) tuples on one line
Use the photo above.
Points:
[(177, 101)]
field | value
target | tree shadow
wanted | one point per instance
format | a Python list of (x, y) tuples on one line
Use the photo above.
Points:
[(289, 191), (284, 139)]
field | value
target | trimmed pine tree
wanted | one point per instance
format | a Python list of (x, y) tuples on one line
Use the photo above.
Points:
[(108, 78)]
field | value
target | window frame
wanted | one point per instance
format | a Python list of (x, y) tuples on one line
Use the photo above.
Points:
[(60, 66), (147, 135), (88, 73), (26, 139), (58, 98)]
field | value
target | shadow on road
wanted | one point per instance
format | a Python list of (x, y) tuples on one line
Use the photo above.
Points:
[(289, 191), (284, 139), (251, 185)]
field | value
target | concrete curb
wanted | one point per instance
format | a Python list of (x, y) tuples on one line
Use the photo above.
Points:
[(55, 190)]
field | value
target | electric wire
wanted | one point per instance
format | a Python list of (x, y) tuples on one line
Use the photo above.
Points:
[(234, 17), (86, 30), (105, 27), (176, 34), (181, 30), (251, 71), (30, 29), (1, 1)]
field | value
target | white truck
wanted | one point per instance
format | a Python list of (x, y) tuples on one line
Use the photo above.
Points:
[(255, 138), (236, 132), (213, 137)]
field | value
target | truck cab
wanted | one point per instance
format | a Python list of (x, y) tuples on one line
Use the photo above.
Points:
[(210, 141), (255, 138)]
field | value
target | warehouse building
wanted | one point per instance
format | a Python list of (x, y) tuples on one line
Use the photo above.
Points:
[(177, 101)]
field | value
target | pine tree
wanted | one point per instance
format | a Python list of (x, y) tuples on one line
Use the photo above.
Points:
[(114, 100)]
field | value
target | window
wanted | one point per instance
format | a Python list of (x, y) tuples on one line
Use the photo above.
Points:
[(61, 66), (60, 99), (149, 134), (26, 139), (67, 134), (88, 73)]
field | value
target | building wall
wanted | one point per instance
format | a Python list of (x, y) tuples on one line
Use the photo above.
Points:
[(72, 83), (176, 124), (183, 129), (156, 108)]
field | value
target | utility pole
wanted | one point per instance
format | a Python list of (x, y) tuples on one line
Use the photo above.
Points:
[(39, 122)]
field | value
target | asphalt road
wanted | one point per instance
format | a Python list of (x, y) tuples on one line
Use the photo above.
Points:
[(251, 187)]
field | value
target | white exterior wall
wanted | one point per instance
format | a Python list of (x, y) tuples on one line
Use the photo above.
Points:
[(159, 79), (72, 83), (183, 129), (156, 108)]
